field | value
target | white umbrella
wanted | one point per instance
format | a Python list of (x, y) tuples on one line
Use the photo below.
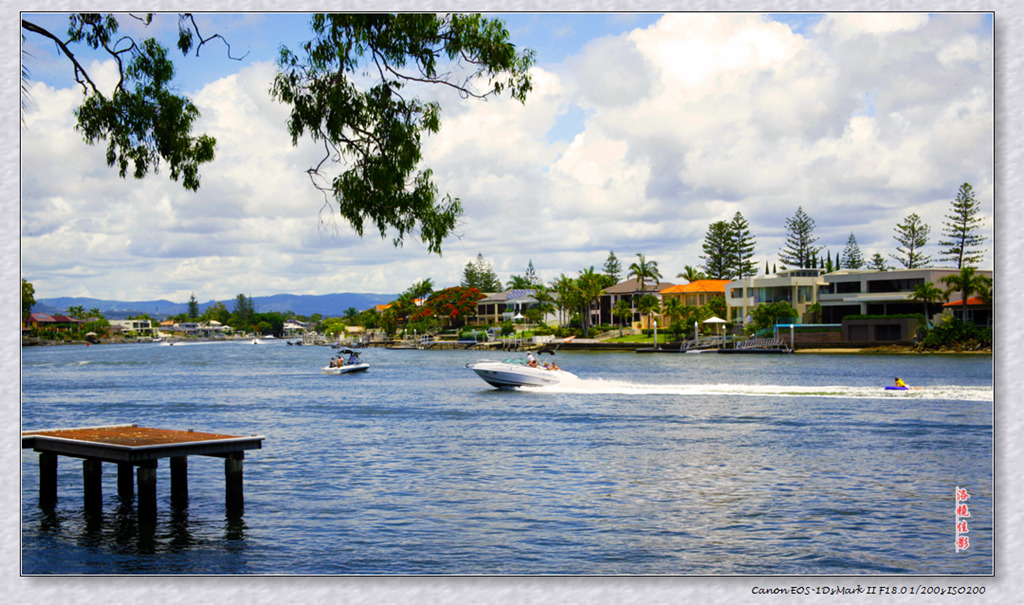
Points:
[(715, 320)]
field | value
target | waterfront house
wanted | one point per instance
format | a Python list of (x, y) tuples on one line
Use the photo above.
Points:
[(140, 327), (630, 291), (57, 323), (858, 292), (798, 287), (979, 312), (696, 293), (499, 307), (294, 327)]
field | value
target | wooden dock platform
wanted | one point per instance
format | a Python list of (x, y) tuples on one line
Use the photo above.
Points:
[(138, 449)]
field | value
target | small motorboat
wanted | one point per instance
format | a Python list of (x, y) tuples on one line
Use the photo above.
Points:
[(514, 373), (347, 366)]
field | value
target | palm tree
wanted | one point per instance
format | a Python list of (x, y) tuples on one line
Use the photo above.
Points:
[(673, 308), (545, 301), (691, 274), (985, 293), (422, 289), (403, 306), (563, 287), (649, 305), (966, 282), (623, 311), (519, 282), (644, 270), (927, 294), (588, 285)]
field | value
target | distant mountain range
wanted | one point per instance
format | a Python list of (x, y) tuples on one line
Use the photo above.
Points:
[(327, 305)]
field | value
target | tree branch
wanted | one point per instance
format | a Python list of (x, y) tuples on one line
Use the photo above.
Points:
[(79, 70)]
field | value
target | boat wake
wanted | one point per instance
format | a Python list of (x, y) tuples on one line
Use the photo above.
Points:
[(614, 387)]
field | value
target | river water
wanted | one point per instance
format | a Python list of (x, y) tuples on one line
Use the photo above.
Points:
[(702, 465)]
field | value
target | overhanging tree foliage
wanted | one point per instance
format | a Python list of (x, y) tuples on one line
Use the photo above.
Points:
[(142, 121), (376, 130), (349, 89)]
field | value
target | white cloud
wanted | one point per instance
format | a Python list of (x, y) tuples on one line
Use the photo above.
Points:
[(684, 123), (845, 26)]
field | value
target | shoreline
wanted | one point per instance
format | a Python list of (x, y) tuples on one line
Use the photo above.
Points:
[(620, 348)]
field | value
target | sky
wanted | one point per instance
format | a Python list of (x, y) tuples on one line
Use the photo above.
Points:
[(641, 131)]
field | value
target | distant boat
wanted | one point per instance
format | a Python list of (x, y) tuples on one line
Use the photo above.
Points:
[(352, 365)]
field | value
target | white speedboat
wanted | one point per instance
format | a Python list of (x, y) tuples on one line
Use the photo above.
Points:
[(349, 368), (514, 373), (346, 366)]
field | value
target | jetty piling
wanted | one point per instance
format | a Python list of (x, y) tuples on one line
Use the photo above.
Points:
[(137, 449)]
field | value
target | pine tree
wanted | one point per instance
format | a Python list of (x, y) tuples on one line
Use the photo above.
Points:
[(719, 254), (480, 275), (800, 250), (878, 263), (193, 307), (912, 235), (531, 275), (854, 259), (612, 267), (743, 247), (962, 245)]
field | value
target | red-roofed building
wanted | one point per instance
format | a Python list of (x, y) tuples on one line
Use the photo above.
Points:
[(59, 323), (979, 312)]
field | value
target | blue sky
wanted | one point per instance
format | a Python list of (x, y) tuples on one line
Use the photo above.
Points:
[(641, 131)]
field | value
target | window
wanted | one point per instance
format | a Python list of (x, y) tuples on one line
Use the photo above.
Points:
[(847, 287), (894, 285)]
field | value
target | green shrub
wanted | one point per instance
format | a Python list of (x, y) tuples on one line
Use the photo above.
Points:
[(952, 332)]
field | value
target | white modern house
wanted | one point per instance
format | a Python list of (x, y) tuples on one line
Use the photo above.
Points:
[(858, 292), (141, 327), (849, 292), (798, 287)]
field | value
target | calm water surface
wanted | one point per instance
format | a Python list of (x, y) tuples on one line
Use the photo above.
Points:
[(649, 464)]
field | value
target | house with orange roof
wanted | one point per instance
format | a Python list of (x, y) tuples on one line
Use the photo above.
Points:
[(696, 293), (979, 312)]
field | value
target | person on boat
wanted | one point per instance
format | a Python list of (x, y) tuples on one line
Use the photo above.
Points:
[(900, 383), (334, 362), (531, 361), (352, 359)]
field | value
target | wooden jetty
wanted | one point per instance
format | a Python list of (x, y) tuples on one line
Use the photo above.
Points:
[(138, 449)]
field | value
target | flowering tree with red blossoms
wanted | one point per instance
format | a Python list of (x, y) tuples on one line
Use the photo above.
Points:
[(454, 305)]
